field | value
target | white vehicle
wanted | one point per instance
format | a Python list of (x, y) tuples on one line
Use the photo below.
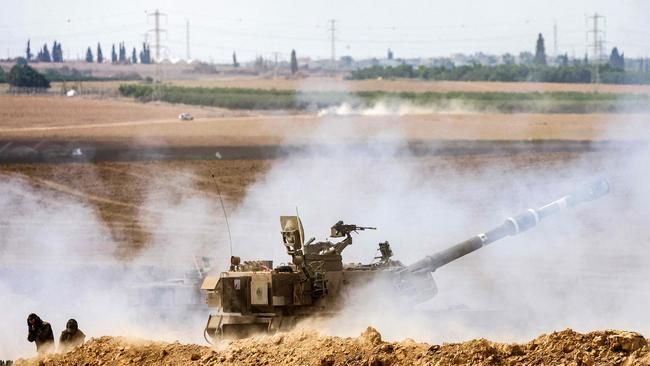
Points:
[(185, 117)]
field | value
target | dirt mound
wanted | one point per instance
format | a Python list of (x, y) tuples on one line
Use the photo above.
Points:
[(309, 348)]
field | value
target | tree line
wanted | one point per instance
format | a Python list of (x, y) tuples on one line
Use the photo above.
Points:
[(506, 72), (120, 56), (531, 67), (44, 54), (117, 57)]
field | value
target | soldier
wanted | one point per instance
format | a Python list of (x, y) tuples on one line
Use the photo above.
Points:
[(40, 332), (71, 337)]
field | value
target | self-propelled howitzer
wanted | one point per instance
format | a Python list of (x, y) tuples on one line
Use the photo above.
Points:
[(253, 296)]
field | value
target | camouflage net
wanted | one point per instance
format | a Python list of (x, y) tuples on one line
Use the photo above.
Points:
[(309, 348)]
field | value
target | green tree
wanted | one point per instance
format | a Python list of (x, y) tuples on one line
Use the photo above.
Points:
[(617, 60), (122, 53), (57, 52), (525, 58), (3, 78), (28, 51), (44, 54), (145, 55), (562, 60), (134, 56), (100, 55), (294, 62), (89, 55), (540, 51), (113, 55), (23, 75), (234, 60)]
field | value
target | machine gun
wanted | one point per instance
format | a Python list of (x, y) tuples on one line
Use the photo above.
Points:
[(416, 281), (340, 229)]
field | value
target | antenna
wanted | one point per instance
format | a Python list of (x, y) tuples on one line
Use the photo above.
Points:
[(300, 228), (223, 207)]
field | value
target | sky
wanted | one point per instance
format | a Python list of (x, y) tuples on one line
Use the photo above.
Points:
[(364, 28)]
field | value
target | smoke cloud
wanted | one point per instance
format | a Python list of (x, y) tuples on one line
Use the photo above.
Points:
[(585, 268), (59, 260)]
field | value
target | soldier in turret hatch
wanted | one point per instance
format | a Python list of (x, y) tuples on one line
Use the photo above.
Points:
[(40, 332), (71, 337)]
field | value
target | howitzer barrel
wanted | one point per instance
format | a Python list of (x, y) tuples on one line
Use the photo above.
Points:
[(512, 226)]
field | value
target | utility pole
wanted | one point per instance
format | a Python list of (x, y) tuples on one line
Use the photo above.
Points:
[(332, 30), (157, 91), (555, 39), (157, 30), (597, 46), (187, 40), (276, 56)]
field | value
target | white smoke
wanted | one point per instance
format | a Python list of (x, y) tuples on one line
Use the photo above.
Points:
[(393, 108), (584, 268), (59, 261)]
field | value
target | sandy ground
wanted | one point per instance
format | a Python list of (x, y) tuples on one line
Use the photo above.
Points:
[(65, 119), (51, 111), (309, 348)]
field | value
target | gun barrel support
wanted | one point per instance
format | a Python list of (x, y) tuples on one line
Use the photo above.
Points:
[(512, 226)]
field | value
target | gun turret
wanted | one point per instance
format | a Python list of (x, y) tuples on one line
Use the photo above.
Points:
[(415, 280)]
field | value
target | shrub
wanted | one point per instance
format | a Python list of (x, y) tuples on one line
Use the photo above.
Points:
[(23, 75)]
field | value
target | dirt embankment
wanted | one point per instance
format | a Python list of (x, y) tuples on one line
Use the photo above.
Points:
[(308, 348)]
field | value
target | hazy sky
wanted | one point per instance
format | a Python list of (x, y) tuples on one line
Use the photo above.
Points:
[(364, 28)]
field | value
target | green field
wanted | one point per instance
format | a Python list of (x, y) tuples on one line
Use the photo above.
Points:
[(535, 102)]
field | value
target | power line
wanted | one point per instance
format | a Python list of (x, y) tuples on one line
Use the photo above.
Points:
[(187, 40), (157, 30), (332, 31), (598, 38), (554, 39)]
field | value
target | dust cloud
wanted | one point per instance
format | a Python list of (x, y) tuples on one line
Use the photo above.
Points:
[(59, 260), (584, 268), (394, 108)]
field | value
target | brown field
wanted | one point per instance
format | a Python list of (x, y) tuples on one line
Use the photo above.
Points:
[(117, 189), (63, 119), (44, 111)]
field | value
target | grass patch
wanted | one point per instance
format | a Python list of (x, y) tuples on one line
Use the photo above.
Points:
[(263, 99)]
